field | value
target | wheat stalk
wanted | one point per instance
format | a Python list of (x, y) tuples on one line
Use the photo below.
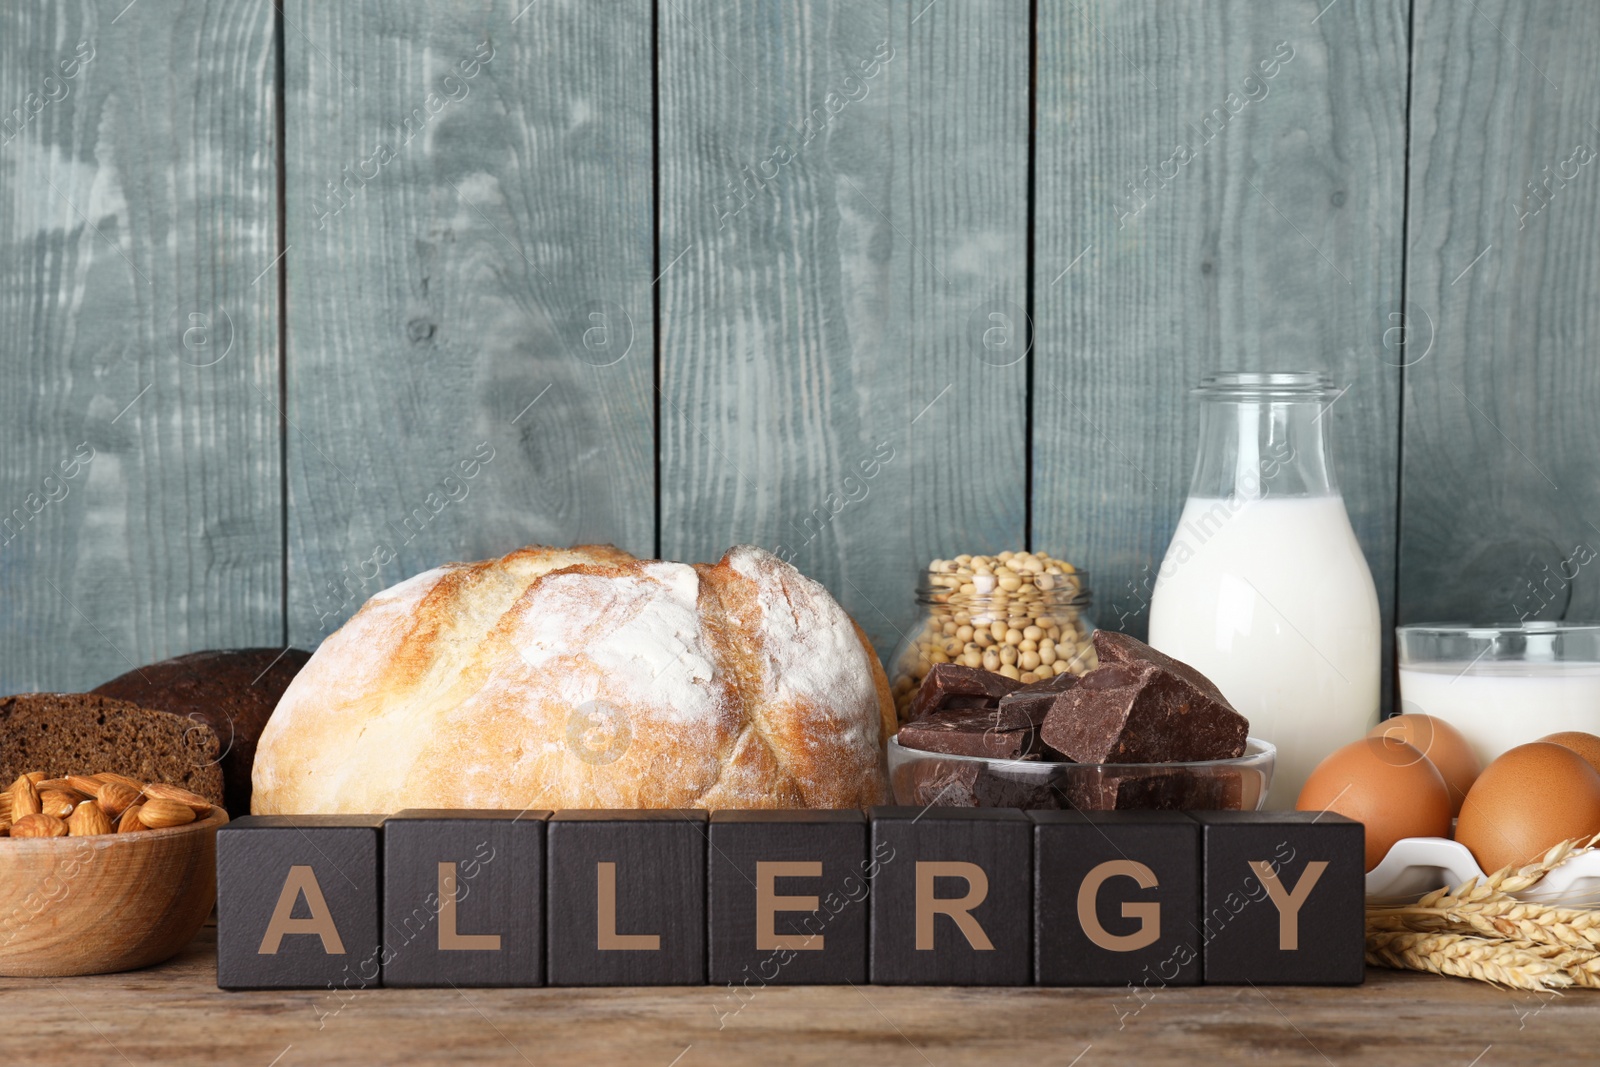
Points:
[(1497, 961), (1565, 927), (1480, 930), (1507, 880)]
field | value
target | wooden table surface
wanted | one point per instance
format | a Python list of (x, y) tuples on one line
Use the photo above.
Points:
[(174, 1014)]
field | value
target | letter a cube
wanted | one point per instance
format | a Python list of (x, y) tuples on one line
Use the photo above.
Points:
[(297, 902)]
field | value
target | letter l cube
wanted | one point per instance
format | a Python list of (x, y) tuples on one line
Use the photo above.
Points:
[(625, 898)]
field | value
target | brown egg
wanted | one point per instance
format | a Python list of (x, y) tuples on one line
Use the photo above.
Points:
[(1531, 798), (1444, 746), (1386, 784), (1585, 745)]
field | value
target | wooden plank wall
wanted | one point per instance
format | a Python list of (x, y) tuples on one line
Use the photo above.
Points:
[(1500, 496), (140, 489), (1276, 246), (843, 191), (467, 185), (852, 209)]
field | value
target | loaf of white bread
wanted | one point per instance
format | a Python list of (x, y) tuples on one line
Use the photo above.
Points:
[(585, 678)]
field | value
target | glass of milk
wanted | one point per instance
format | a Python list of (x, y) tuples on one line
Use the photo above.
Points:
[(1503, 685), (1264, 588)]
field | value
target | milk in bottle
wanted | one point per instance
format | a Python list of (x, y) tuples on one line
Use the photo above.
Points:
[(1264, 588)]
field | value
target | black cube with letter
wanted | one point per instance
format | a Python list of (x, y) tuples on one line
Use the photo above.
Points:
[(1116, 898), (1284, 900), (787, 900), (950, 896), (463, 898), (625, 900), (297, 902)]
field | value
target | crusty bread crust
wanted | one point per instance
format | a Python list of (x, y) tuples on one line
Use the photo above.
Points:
[(585, 678)]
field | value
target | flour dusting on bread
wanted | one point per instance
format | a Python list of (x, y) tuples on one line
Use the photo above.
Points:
[(812, 652), (739, 684)]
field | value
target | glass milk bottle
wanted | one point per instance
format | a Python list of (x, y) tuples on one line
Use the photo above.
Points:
[(1264, 588)]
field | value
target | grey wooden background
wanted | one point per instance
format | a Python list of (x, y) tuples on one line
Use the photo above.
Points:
[(863, 282)]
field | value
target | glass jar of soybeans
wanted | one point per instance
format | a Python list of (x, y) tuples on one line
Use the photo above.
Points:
[(1021, 614)]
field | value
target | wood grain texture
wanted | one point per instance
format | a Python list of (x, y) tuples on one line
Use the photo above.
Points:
[(105, 902), (139, 477), (625, 898), (916, 847), (1275, 247), (467, 183), (263, 860), (843, 194), (174, 1014), (1500, 502)]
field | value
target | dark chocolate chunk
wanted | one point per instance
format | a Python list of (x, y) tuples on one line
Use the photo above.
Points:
[(1142, 713), (1030, 704), (959, 703), (1113, 647), (948, 783), (1056, 683), (996, 790), (1158, 789), (974, 732), (966, 784), (951, 680)]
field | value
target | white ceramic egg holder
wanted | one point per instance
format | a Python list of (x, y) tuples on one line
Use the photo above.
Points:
[(1419, 865)]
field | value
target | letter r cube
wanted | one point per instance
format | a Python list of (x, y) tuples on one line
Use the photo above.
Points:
[(950, 896)]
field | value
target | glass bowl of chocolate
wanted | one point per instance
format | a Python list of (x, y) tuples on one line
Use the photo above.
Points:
[(1140, 731)]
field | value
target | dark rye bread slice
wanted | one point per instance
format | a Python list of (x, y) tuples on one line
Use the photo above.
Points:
[(81, 733), (231, 690)]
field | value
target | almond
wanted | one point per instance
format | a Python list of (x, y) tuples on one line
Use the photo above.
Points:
[(111, 776), (60, 785), (5, 804), (37, 825), (24, 798), (129, 823), (36, 777), (115, 798), (162, 791), (57, 803), (87, 820), (87, 784), (159, 814)]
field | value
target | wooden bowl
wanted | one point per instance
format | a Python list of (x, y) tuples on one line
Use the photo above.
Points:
[(112, 902)]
